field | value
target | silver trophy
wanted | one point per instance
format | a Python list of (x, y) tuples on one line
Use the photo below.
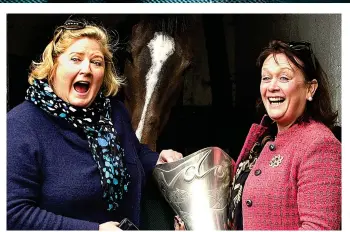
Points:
[(197, 188)]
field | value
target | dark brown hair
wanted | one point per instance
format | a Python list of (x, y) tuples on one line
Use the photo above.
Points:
[(319, 109)]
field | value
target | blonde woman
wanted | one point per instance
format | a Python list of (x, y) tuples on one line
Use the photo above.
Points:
[(73, 160)]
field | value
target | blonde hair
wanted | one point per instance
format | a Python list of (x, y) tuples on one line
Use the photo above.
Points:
[(46, 68)]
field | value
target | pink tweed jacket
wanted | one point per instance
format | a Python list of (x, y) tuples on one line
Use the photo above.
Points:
[(296, 181)]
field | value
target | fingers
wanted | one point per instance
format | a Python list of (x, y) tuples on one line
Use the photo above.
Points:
[(178, 155), (178, 223), (167, 156), (117, 225), (111, 225)]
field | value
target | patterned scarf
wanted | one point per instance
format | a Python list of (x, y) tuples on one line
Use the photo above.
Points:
[(102, 137), (235, 217)]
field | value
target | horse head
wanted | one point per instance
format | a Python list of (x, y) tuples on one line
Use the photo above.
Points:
[(159, 53)]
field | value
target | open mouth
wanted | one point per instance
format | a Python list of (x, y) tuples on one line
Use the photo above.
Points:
[(81, 86), (276, 100)]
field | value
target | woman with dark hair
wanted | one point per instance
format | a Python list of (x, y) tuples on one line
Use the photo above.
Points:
[(288, 174)]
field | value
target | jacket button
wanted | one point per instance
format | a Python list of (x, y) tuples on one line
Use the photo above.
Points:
[(257, 172), (249, 203), (272, 147)]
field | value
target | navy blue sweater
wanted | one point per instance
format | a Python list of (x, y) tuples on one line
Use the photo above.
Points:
[(53, 182)]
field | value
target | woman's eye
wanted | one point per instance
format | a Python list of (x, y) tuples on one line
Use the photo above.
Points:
[(97, 63), (75, 59), (284, 78), (265, 78)]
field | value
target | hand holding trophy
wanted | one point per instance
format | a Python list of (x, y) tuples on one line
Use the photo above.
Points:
[(197, 187)]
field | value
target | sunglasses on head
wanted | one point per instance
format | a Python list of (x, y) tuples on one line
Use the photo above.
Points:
[(300, 46), (68, 25), (303, 47)]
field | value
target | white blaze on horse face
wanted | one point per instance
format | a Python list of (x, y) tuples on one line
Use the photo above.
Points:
[(161, 48)]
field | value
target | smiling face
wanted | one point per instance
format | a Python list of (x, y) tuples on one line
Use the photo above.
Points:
[(283, 90), (79, 74)]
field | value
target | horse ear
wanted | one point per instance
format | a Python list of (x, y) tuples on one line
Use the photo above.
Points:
[(134, 30)]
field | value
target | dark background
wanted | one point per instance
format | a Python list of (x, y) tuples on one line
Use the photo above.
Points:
[(189, 128), (224, 123)]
